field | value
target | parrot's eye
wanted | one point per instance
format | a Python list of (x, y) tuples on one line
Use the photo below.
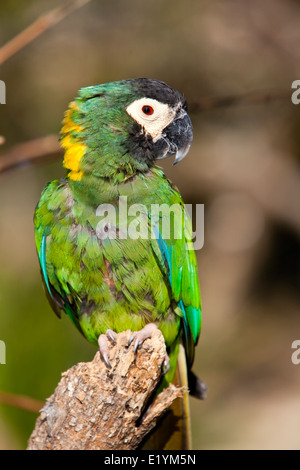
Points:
[(152, 115), (148, 110)]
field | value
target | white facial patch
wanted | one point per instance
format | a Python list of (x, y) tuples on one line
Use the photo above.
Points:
[(152, 115)]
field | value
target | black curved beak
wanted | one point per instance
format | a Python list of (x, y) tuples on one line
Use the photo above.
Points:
[(178, 135)]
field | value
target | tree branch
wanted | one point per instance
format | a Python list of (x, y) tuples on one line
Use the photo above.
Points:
[(21, 401), (39, 26), (33, 150), (94, 407), (255, 97), (36, 149)]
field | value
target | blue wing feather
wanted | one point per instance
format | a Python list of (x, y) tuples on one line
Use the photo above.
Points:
[(42, 259), (57, 301)]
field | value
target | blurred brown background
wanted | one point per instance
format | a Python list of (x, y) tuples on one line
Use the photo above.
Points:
[(243, 165)]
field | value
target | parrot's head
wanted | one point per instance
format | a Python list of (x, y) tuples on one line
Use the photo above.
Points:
[(121, 128)]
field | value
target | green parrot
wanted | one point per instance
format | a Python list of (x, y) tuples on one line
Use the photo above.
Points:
[(107, 271)]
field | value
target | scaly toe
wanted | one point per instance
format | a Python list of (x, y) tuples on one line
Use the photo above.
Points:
[(141, 335), (111, 335), (104, 347)]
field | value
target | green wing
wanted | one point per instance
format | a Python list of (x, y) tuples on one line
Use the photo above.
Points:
[(178, 260), (52, 205), (58, 301)]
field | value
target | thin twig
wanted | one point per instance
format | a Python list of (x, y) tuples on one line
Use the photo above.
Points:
[(21, 401), (37, 149), (255, 97), (39, 26), (33, 150)]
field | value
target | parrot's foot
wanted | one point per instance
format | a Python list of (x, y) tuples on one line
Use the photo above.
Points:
[(140, 336), (103, 345)]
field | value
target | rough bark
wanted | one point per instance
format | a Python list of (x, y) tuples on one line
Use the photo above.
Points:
[(94, 407)]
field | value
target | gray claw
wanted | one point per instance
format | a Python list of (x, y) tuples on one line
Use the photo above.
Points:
[(130, 339), (112, 335), (136, 345), (106, 360), (166, 365)]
